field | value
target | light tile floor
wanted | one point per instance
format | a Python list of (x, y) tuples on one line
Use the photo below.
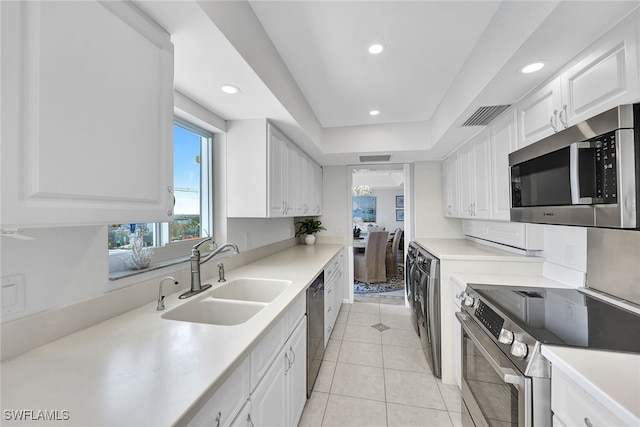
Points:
[(378, 378)]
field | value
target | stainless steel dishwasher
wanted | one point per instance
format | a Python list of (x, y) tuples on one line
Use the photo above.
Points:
[(315, 330)]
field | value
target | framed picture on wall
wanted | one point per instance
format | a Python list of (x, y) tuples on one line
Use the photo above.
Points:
[(399, 214), (400, 202), (365, 208)]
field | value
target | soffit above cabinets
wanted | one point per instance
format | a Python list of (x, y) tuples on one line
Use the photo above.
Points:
[(305, 66)]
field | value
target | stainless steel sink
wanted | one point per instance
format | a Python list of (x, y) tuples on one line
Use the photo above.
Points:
[(215, 311), (249, 289)]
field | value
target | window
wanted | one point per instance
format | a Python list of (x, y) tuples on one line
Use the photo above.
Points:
[(192, 181)]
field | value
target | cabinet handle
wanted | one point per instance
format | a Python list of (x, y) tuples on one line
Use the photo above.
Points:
[(218, 419), (563, 114), (287, 362), (553, 121), (587, 422), (293, 353)]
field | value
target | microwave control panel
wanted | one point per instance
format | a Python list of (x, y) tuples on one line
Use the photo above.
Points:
[(606, 171)]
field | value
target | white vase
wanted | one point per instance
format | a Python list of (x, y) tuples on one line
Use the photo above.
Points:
[(310, 239)]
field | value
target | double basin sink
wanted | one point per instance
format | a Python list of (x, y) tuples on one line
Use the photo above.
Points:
[(233, 303)]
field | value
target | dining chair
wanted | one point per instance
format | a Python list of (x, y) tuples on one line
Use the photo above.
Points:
[(391, 255), (369, 267)]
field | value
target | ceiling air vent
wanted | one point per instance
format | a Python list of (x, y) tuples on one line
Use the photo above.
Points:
[(484, 115), (376, 158)]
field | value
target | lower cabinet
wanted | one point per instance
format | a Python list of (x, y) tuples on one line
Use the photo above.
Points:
[(269, 388), (279, 398), (573, 406), (333, 275)]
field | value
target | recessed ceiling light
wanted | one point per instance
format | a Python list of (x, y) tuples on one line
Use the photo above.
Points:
[(376, 48), (532, 68), (230, 89), (374, 112)]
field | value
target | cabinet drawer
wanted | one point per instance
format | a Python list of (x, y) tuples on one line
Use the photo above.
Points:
[(222, 407), (266, 350), (296, 310), (575, 407)]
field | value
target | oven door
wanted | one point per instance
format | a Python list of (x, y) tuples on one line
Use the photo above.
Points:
[(494, 391)]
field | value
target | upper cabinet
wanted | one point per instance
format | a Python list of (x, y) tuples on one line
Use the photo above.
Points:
[(604, 76), (475, 174), (256, 149), (87, 114), (451, 182), (538, 114), (503, 139)]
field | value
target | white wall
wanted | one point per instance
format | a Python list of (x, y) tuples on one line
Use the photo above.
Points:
[(335, 202), (428, 198), (251, 233), (386, 207)]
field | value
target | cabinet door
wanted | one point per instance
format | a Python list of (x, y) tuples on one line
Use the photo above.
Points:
[(503, 139), (467, 183), (85, 139), (317, 206), (482, 176), (606, 77), (269, 400), (538, 114), (451, 183), (278, 156), (297, 372), (300, 184)]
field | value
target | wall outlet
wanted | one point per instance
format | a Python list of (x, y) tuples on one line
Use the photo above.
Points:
[(12, 294)]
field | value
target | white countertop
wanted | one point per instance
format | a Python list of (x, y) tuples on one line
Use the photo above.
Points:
[(140, 369), (507, 280), (464, 249), (612, 378)]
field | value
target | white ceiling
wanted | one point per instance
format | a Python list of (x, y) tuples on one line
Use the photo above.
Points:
[(304, 64)]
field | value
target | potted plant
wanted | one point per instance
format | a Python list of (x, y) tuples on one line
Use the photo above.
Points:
[(308, 229)]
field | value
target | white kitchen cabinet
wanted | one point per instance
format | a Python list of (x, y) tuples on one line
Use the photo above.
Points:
[(515, 234), (573, 406), (451, 185), (503, 139), (333, 287), (85, 139), (279, 398), (222, 408), (457, 289), (256, 148), (606, 76), (538, 114), (475, 176)]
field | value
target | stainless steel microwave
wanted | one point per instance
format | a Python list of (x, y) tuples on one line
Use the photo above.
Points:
[(586, 175)]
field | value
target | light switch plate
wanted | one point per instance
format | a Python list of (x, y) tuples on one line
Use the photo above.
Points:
[(12, 294)]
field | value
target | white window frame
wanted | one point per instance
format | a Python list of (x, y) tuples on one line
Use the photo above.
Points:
[(170, 253)]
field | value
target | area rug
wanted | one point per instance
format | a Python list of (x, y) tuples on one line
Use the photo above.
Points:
[(393, 283)]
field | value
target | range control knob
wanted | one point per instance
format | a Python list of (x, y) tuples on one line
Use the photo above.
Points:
[(468, 301), (519, 349), (506, 336)]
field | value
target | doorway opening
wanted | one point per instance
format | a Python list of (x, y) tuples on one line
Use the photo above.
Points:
[(380, 221)]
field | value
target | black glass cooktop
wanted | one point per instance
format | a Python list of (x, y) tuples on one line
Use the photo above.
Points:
[(566, 317)]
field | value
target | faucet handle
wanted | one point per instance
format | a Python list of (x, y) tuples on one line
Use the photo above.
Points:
[(197, 245)]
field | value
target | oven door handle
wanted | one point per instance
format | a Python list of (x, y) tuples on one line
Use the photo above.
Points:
[(508, 375)]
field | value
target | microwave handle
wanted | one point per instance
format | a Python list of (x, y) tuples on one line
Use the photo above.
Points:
[(574, 174)]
